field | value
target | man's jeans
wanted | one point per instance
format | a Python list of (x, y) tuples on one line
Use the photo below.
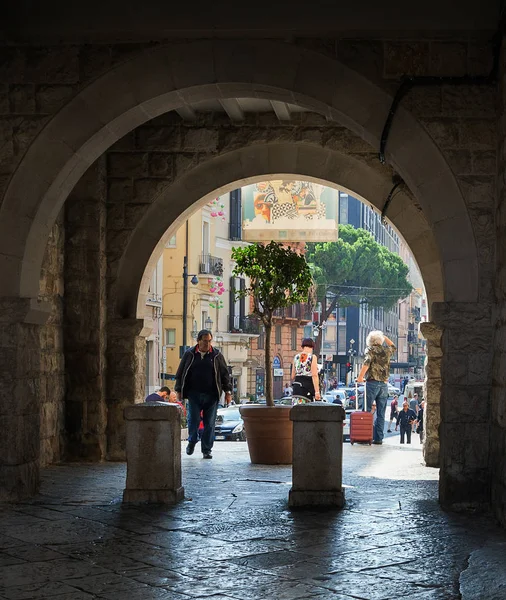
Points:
[(208, 404), (377, 391)]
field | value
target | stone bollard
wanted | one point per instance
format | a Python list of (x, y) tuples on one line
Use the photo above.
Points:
[(317, 468), (153, 453)]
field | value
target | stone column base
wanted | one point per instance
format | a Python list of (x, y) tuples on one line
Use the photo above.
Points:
[(153, 496), (315, 499)]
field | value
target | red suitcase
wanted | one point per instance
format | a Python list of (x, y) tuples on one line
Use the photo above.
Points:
[(361, 424)]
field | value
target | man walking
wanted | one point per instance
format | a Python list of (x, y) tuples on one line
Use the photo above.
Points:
[(159, 396), (406, 418), (201, 377), (377, 367)]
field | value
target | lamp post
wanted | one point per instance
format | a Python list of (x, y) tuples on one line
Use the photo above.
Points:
[(352, 354), (194, 280), (208, 324)]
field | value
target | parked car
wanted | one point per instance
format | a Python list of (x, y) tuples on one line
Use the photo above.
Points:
[(392, 389), (229, 424), (336, 397)]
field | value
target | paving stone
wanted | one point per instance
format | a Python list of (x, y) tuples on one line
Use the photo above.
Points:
[(392, 540)]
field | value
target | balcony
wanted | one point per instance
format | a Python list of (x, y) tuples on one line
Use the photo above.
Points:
[(249, 324), (210, 265), (299, 312)]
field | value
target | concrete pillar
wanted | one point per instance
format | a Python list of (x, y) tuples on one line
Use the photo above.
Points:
[(432, 393), (153, 453), (317, 467), (126, 378), (20, 374), (84, 322)]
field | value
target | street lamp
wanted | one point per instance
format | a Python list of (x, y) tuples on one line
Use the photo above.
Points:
[(208, 323), (194, 280), (351, 354)]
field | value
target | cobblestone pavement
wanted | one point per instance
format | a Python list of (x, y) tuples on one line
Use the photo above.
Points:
[(233, 536)]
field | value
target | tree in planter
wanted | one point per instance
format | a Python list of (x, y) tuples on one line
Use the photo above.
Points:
[(356, 270), (279, 277)]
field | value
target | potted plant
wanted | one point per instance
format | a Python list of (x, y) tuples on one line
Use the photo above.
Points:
[(278, 277)]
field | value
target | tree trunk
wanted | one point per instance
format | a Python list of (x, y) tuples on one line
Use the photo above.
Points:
[(269, 396)]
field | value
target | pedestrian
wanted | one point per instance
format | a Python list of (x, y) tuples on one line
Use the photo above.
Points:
[(403, 384), (201, 377), (306, 383), (419, 421), (413, 405), (377, 368), (173, 400), (159, 396), (405, 419), (288, 391), (394, 411)]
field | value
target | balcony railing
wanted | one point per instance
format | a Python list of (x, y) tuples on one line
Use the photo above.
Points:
[(210, 265), (249, 324), (300, 312)]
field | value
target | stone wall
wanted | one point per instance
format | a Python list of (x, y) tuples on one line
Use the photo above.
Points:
[(51, 384), (498, 408), (85, 317)]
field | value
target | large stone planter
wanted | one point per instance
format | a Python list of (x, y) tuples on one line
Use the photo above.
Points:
[(269, 433)]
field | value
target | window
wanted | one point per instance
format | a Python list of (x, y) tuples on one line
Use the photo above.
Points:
[(170, 337), (235, 224), (294, 338), (277, 333), (261, 340), (171, 243), (206, 237)]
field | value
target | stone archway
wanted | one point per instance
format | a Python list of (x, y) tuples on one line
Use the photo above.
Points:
[(169, 77)]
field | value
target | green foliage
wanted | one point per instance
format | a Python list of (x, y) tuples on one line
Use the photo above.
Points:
[(356, 269), (278, 275)]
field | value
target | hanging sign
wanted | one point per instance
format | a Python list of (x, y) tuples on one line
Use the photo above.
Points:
[(289, 211)]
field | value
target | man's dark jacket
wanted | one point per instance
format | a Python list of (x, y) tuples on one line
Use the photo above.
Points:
[(221, 376)]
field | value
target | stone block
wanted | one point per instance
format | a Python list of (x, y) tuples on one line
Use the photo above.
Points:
[(127, 164), (200, 140), (153, 453), (460, 161), (469, 101), (448, 58), (57, 64), (480, 58), (317, 456), (466, 404), (167, 139), (478, 133), (120, 190), (445, 132), (424, 101), (50, 98), (20, 441), (22, 99), (484, 162), (405, 58), (480, 369), (148, 190), (18, 482), (463, 450), (134, 214), (161, 165), (94, 60), (455, 367)]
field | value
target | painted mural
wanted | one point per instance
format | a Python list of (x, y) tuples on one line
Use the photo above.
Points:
[(289, 211)]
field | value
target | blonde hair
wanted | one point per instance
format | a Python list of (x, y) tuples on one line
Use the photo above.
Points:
[(375, 338)]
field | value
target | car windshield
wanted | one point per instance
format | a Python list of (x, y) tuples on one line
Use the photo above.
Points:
[(230, 414)]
